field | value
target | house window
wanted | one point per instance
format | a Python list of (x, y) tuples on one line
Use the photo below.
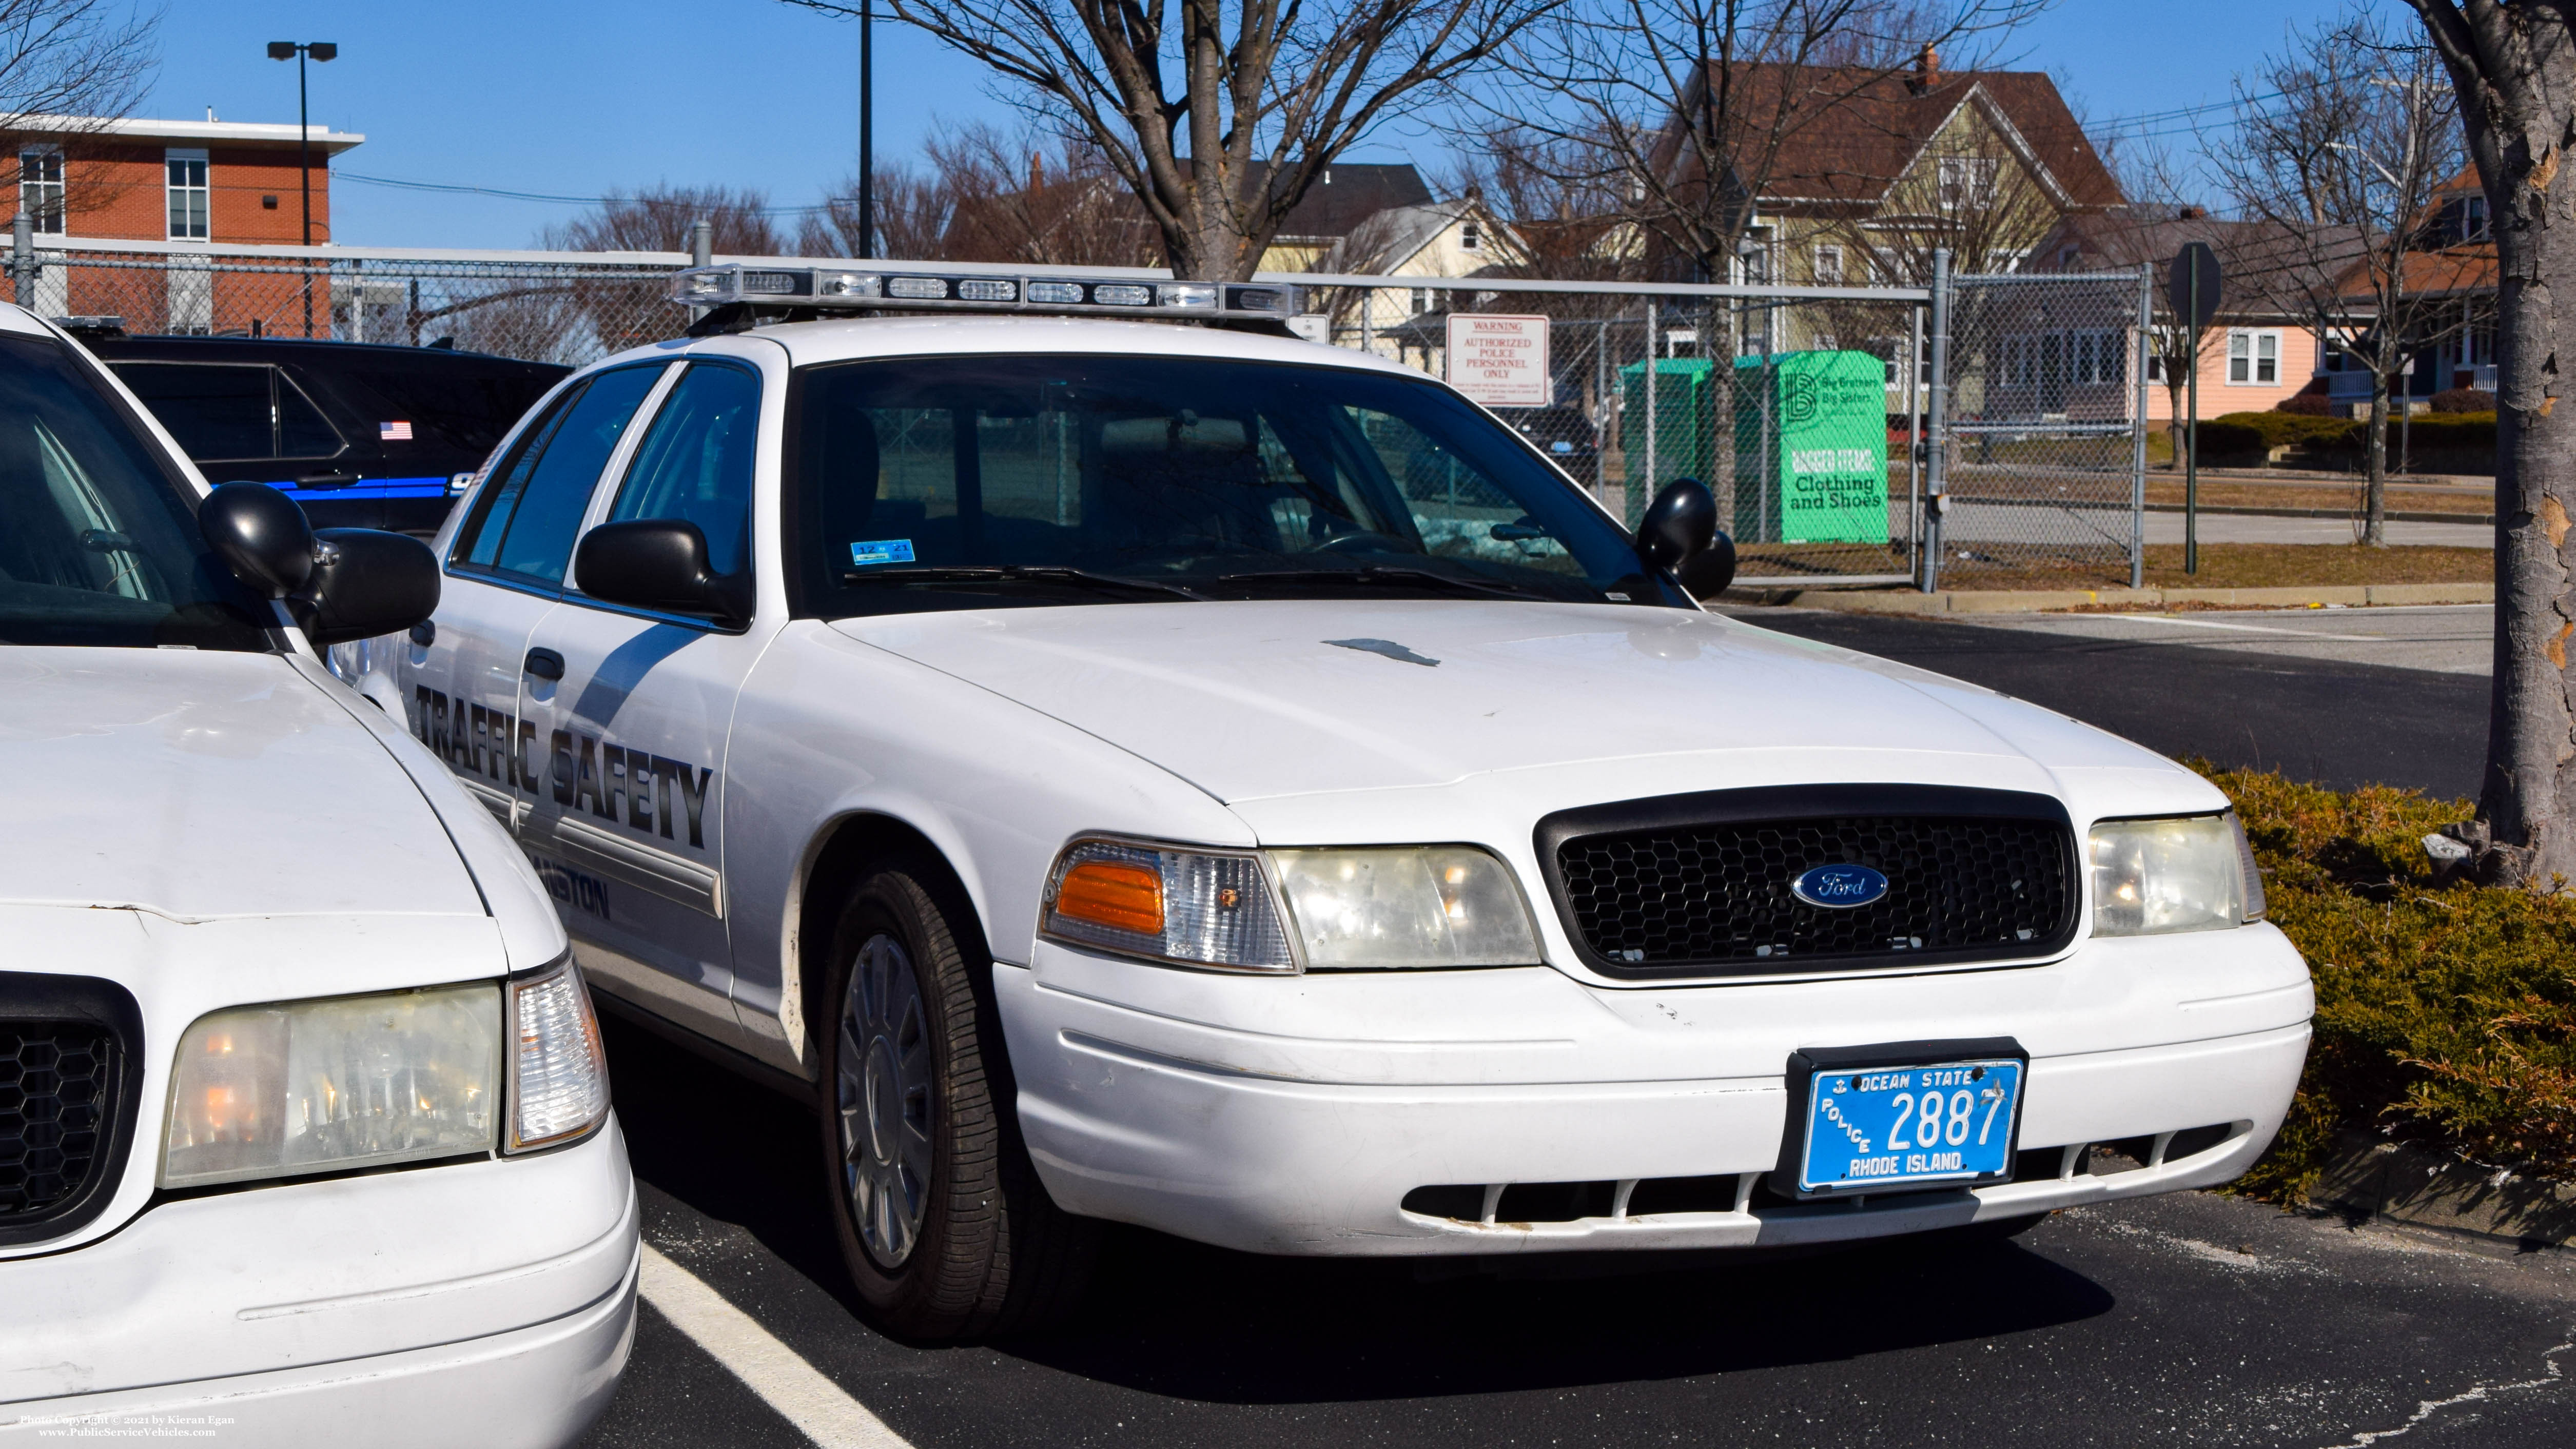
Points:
[(188, 195), (2253, 358), (1421, 300), (1829, 266), (2066, 258), (1966, 181), (1471, 238), (40, 187)]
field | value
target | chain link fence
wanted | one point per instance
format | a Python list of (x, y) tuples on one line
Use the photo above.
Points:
[(1846, 446), (2039, 456)]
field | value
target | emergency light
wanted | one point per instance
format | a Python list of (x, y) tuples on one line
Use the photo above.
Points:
[(855, 288)]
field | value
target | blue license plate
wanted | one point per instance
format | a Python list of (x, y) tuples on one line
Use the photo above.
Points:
[(1884, 1127)]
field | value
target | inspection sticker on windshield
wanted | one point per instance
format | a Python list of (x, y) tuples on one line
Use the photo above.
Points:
[(1908, 1126), (883, 550)]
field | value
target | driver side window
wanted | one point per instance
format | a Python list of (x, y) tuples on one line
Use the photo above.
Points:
[(696, 463)]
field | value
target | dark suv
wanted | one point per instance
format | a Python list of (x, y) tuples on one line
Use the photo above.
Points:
[(363, 436)]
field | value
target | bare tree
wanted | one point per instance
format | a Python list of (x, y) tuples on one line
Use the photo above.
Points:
[(658, 218), (2339, 146), (2513, 72), (1048, 200), (913, 207), (1217, 118), (68, 68), (1681, 109)]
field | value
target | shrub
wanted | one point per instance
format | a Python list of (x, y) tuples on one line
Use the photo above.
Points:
[(2464, 400), (2445, 1015), (2228, 438), (2306, 405), (2284, 429)]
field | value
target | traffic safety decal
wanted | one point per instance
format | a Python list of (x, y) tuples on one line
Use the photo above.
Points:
[(651, 793)]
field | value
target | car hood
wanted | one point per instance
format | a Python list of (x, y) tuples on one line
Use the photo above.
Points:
[(206, 785), (1262, 699)]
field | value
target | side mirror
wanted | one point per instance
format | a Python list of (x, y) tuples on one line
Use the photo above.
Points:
[(261, 535), (366, 582), (1678, 535), (659, 563)]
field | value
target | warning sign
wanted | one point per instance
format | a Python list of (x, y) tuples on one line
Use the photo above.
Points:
[(1500, 361)]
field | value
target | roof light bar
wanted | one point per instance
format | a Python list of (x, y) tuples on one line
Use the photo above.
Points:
[(834, 288)]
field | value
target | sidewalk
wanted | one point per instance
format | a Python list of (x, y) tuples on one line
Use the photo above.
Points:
[(2038, 601)]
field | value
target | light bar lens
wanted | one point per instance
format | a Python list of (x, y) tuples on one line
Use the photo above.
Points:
[(320, 1086), (558, 1067), (716, 286), (1411, 906), (1188, 907), (2152, 877)]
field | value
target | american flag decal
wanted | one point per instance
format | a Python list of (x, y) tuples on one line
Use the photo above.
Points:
[(393, 432)]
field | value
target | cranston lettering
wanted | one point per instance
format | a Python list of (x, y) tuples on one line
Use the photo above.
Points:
[(644, 791)]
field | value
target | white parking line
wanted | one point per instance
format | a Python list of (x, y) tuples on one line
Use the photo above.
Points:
[(2249, 628), (818, 1407)]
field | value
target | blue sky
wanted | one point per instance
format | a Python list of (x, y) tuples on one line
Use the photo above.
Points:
[(575, 97)]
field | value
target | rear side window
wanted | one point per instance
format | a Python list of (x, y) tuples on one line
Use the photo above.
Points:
[(696, 463), (232, 411), (528, 516)]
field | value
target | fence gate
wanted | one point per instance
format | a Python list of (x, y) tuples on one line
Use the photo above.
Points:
[(2038, 456)]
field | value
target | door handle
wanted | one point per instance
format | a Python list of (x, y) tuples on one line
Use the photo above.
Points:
[(326, 480), (544, 664)]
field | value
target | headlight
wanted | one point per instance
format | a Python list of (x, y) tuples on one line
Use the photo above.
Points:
[(2189, 874), (317, 1086), (1372, 908), (1430, 905), (558, 1068)]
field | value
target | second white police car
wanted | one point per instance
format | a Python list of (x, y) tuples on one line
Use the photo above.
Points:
[(1198, 779)]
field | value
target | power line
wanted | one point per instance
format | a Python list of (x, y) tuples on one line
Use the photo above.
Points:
[(398, 184)]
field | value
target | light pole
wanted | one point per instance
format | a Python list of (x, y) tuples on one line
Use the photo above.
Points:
[(867, 132), (320, 50)]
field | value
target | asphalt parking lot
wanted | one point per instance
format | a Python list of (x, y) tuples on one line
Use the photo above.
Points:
[(2192, 1319)]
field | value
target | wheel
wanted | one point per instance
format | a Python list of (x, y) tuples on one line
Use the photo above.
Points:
[(945, 1228)]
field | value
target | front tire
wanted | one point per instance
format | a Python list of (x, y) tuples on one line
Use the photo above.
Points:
[(947, 1232)]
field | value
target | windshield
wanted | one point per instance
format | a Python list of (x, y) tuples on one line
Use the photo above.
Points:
[(97, 543), (947, 482)]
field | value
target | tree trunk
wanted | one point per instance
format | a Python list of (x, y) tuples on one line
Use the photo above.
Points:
[(2374, 528), (2528, 836)]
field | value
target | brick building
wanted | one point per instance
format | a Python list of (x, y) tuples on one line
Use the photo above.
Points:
[(186, 183)]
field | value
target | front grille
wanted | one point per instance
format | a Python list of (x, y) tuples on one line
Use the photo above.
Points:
[(55, 1082), (1703, 882), (70, 1054)]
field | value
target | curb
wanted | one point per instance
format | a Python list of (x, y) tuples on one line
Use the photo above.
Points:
[(2394, 1183), (2040, 601)]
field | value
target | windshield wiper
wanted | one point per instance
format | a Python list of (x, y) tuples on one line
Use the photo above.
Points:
[(1033, 573), (1400, 577)]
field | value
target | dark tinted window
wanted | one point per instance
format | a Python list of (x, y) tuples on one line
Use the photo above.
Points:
[(535, 504), (468, 406), (214, 411), (98, 545), (302, 431), (696, 462)]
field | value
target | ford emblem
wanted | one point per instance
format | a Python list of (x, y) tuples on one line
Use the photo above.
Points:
[(1839, 887)]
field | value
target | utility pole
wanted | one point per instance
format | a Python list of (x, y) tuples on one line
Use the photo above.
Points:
[(867, 131), (319, 50)]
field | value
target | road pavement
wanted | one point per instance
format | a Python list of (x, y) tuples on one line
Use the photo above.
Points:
[(2194, 1319)]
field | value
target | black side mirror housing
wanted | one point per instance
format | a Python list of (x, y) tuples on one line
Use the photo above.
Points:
[(659, 563), (366, 582), (261, 535), (1678, 534), (339, 584)]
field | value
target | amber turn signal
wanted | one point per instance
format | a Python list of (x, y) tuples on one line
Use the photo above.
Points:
[(1115, 893)]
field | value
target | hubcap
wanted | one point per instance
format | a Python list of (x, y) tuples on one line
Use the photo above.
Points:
[(883, 1090)]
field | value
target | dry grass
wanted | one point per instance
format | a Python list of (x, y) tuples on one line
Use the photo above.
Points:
[(2240, 566), (2331, 497)]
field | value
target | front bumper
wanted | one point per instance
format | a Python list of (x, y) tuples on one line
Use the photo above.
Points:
[(1296, 1115), (489, 1303)]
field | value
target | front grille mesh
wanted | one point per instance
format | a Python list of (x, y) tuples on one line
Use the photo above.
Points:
[(1699, 895), (55, 1079)]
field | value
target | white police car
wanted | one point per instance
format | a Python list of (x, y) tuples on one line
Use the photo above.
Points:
[(1198, 779), (304, 1132)]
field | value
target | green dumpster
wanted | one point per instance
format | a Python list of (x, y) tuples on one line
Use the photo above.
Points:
[(1685, 425)]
